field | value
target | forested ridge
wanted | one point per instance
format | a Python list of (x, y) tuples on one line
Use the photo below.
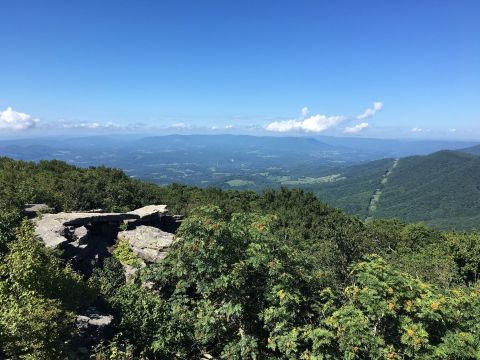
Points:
[(276, 275), (441, 189)]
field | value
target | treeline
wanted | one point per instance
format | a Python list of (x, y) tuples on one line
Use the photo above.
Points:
[(277, 275)]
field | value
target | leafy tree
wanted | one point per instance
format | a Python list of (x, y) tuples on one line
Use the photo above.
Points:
[(9, 220), (108, 278), (389, 314), (38, 296), (234, 282), (465, 249)]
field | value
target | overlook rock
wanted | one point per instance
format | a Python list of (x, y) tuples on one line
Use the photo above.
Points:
[(88, 237), (57, 229)]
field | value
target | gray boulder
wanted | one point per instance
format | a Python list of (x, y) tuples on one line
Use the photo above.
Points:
[(93, 326), (148, 243)]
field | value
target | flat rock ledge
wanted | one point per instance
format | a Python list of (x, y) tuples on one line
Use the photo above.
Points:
[(57, 229), (150, 211)]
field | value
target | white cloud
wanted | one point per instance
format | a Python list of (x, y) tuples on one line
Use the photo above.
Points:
[(452, 130), (13, 120), (368, 113), (180, 125), (305, 112), (228, 126), (319, 123), (356, 129), (316, 123)]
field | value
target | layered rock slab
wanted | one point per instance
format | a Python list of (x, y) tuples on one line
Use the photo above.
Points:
[(86, 238), (58, 229)]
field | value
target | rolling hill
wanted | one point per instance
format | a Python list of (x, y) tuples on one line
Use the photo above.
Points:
[(441, 189)]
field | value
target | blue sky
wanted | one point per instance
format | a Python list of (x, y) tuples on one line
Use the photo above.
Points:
[(242, 66)]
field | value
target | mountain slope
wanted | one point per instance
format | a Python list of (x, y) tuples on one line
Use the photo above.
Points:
[(441, 189), (354, 187), (474, 150)]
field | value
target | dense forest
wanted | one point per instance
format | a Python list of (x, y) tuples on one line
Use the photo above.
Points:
[(441, 189), (275, 275)]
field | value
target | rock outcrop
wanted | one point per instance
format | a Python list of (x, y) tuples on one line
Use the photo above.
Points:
[(87, 238), (58, 229), (93, 327), (148, 243)]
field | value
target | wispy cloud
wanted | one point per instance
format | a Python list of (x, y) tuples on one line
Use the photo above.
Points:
[(355, 129), (370, 112), (67, 124), (180, 125), (419, 130), (14, 120)]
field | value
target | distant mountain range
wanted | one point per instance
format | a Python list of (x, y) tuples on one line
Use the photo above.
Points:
[(372, 178)]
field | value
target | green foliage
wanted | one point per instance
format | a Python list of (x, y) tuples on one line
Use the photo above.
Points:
[(9, 220), (465, 249), (38, 296), (388, 314), (262, 276), (125, 255), (440, 189), (123, 226), (354, 192), (234, 282), (416, 249), (108, 278), (233, 289), (147, 321), (65, 187), (116, 350)]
